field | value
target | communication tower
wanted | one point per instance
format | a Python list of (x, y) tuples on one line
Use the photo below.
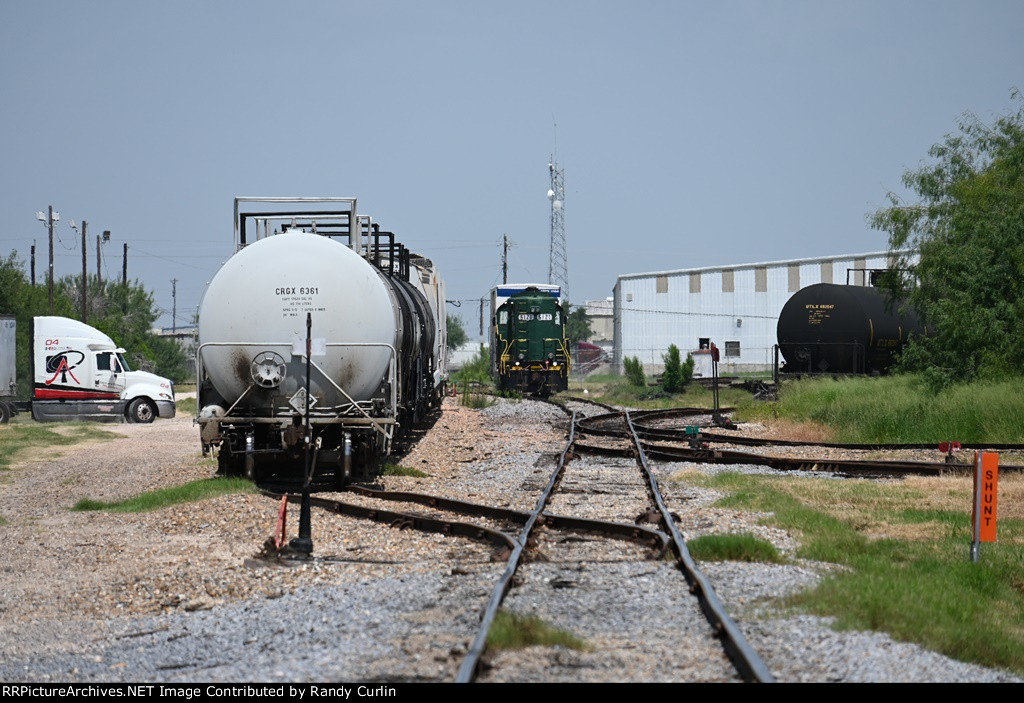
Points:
[(558, 261)]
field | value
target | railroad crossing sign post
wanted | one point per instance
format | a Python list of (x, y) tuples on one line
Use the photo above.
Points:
[(986, 495)]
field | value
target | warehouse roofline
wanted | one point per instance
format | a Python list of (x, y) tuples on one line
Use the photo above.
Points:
[(781, 262)]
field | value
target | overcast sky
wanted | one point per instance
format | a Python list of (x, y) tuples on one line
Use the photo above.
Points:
[(691, 133)]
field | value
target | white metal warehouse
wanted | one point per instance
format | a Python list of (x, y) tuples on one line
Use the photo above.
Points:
[(735, 307)]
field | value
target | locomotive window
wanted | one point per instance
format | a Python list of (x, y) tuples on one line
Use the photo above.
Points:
[(544, 316), (503, 317), (558, 318)]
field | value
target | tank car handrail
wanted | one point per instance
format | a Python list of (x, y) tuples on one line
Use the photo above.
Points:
[(352, 202), (393, 367)]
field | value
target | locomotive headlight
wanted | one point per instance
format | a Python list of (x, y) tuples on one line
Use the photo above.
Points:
[(522, 356), (551, 357)]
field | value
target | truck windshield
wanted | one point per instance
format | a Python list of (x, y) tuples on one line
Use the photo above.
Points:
[(124, 364)]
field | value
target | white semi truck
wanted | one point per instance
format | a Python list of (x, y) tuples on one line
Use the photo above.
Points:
[(78, 373)]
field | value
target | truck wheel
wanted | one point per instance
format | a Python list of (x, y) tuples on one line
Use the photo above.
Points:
[(141, 410), (5, 412)]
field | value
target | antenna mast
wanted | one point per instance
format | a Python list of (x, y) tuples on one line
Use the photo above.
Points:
[(558, 261)]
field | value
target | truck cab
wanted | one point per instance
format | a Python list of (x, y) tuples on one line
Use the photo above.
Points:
[(80, 374)]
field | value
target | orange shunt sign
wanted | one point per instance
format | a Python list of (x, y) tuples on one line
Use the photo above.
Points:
[(986, 496)]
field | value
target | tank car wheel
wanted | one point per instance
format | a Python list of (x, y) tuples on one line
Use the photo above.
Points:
[(142, 411)]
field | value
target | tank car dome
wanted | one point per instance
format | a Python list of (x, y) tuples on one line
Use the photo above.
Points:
[(246, 341)]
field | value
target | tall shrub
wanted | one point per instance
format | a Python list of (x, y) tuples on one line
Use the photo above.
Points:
[(634, 371)]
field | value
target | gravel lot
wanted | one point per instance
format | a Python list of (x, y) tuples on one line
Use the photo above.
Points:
[(174, 595)]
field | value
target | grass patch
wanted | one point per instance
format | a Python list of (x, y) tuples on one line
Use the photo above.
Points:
[(32, 440), (164, 497), (737, 547), (399, 470), (511, 631), (906, 549), (187, 406), (901, 408), (477, 401)]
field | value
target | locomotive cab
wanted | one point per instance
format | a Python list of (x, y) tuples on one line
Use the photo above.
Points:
[(532, 351)]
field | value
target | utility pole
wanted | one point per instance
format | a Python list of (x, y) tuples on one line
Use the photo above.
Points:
[(481, 317), (99, 273), (174, 305), (124, 266), (85, 275), (48, 223), (33, 264), (504, 260)]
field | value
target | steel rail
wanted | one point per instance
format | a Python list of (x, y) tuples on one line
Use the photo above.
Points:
[(846, 467), (620, 530), (471, 664), (747, 662), (594, 424), (764, 441), (670, 434), (408, 520)]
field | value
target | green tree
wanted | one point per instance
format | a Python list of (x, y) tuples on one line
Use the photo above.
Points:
[(968, 230), (677, 374), (577, 324), (127, 312), (634, 371), (456, 332)]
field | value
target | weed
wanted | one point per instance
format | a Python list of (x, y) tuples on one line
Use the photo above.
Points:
[(736, 547), (511, 631), (399, 470), (187, 493)]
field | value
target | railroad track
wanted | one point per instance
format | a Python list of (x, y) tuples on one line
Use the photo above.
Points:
[(554, 534), (665, 437), (586, 561)]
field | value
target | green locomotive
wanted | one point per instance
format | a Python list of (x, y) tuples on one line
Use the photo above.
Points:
[(532, 353)]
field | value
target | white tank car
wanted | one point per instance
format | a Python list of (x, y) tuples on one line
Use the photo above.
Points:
[(377, 321), (430, 283), (254, 311)]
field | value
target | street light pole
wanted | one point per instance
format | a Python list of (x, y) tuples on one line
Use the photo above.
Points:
[(48, 223)]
